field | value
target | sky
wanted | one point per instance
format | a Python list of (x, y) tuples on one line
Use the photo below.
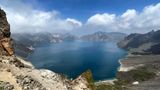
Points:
[(82, 16)]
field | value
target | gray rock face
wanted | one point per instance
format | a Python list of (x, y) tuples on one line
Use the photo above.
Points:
[(104, 36), (98, 36), (5, 40), (142, 43)]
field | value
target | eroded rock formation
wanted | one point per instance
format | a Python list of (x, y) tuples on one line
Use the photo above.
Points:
[(6, 47)]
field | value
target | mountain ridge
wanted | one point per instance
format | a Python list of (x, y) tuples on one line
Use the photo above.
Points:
[(104, 36), (142, 43)]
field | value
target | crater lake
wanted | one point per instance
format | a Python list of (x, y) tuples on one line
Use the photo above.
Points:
[(74, 58)]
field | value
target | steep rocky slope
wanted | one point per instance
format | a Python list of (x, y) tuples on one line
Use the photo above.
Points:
[(23, 76), (142, 43), (17, 74), (6, 47)]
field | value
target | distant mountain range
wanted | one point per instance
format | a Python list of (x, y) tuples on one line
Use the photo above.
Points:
[(104, 36), (25, 42), (42, 38), (148, 43)]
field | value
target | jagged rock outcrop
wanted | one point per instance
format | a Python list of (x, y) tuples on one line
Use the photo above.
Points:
[(23, 75), (5, 40), (147, 43)]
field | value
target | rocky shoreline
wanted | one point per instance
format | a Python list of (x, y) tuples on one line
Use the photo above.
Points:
[(136, 72), (134, 61), (140, 72), (122, 67)]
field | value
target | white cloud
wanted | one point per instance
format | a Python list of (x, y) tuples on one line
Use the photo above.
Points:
[(130, 21), (27, 19), (101, 19), (23, 17), (74, 22), (129, 14)]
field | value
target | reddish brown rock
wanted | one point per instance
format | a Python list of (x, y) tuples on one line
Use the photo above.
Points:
[(6, 47)]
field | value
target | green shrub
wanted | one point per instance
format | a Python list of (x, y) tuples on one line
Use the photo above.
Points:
[(1, 88)]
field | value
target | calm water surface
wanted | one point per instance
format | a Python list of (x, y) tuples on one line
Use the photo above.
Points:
[(73, 58)]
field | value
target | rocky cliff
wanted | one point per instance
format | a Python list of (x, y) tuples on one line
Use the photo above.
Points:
[(5, 40), (142, 43), (18, 74), (22, 75)]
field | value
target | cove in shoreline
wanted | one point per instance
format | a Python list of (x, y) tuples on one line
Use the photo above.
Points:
[(111, 80)]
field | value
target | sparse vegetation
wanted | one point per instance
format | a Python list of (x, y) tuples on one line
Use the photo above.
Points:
[(109, 87), (140, 74), (1, 88), (125, 78), (89, 77), (104, 87)]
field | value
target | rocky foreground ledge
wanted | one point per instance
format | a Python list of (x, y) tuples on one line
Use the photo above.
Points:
[(17, 74)]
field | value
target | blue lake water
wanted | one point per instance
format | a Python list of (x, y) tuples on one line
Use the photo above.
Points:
[(73, 58)]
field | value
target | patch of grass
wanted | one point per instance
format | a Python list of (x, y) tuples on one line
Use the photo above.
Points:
[(1, 88), (139, 74), (89, 77), (142, 74), (109, 87), (104, 87)]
